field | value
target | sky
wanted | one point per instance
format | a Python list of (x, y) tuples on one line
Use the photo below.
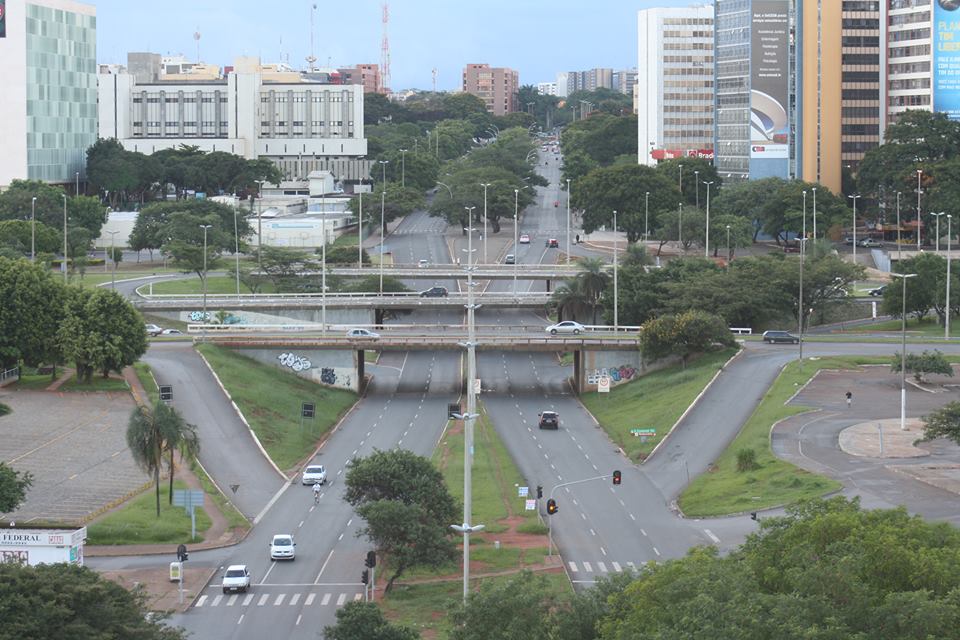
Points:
[(538, 38)]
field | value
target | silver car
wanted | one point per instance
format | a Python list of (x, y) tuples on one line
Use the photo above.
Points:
[(314, 474), (567, 326), (362, 334)]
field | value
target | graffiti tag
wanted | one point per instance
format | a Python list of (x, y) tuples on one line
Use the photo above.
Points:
[(199, 316), (295, 362), (616, 374)]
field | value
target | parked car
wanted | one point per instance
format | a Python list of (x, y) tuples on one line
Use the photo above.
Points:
[(236, 578), (282, 547), (171, 332), (779, 336), (567, 326), (362, 334), (524, 238), (870, 242), (510, 259), (435, 292), (549, 420), (878, 292), (848, 241), (314, 473), (552, 243), (153, 330)]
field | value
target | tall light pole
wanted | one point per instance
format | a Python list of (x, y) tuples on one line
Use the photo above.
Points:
[(919, 191), (360, 228), (616, 322), (646, 216), (205, 227), (403, 167), (681, 179), (937, 228), (568, 220), (76, 184), (259, 225), (680, 226), (804, 234), (383, 167), (64, 237), (236, 250), (485, 185), (113, 258), (903, 350), (854, 198), (383, 206), (696, 183), (728, 246), (814, 189), (800, 304), (946, 329), (706, 245), (516, 227), (899, 257), (33, 229)]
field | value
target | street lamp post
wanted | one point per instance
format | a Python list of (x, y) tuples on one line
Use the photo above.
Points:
[(76, 184), (259, 225), (360, 228), (646, 216), (485, 185), (814, 189), (800, 305), (804, 234), (946, 329), (937, 228), (680, 226), (903, 350), (706, 245), (64, 237), (403, 168), (205, 227), (383, 206), (516, 227), (854, 198), (383, 167), (728, 246), (616, 322), (919, 191), (696, 183), (899, 257), (33, 229), (681, 179), (113, 258), (568, 220), (236, 250)]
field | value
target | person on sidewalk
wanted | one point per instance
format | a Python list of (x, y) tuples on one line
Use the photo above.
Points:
[(849, 399)]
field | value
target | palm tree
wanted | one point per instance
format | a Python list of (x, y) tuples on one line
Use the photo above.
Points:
[(593, 282), (571, 301), (153, 432)]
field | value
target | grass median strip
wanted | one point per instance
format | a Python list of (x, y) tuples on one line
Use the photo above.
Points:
[(724, 489), (652, 401), (270, 400), (136, 522)]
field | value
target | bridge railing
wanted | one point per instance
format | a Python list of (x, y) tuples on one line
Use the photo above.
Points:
[(393, 329), (333, 296)]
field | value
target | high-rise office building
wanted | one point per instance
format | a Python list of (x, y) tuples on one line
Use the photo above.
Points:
[(496, 86), (675, 97), (909, 54), (625, 79), (862, 110), (48, 105), (589, 80)]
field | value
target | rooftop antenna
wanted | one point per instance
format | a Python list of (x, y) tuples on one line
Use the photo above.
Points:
[(385, 52), (434, 79), (196, 36), (311, 58)]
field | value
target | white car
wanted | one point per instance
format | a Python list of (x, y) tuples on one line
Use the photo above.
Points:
[(236, 578), (524, 239), (362, 334), (153, 330), (423, 264), (313, 474), (282, 547), (171, 332), (567, 326)]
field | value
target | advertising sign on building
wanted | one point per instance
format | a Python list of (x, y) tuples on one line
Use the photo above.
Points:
[(769, 80), (42, 546), (946, 58), (3, 18)]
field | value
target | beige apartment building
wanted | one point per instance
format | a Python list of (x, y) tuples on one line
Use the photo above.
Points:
[(496, 86)]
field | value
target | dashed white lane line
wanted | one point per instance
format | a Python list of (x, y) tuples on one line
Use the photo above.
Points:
[(300, 525), (643, 532), (710, 535), (241, 618), (655, 551), (299, 617), (633, 517), (582, 515), (592, 532), (604, 552)]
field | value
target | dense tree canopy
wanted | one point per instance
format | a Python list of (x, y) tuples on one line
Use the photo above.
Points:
[(31, 310), (100, 331)]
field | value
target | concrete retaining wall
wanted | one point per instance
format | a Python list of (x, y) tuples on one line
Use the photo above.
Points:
[(331, 368), (350, 317)]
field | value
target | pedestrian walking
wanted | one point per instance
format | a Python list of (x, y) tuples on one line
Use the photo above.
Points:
[(849, 399)]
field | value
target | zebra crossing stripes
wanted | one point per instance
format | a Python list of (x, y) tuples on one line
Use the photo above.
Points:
[(601, 566), (279, 599)]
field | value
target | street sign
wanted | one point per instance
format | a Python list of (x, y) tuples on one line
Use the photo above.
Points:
[(166, 392), (189, 499), (643, 432), (523, 492), (531, 505), (453, 410), (603, 384), (307, 409)]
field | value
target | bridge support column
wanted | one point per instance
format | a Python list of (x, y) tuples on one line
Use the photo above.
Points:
[(361, 373), (378, 317), (548, 285), (578, 371)]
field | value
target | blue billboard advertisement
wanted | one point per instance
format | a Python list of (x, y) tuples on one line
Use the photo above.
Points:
[(946, 57)]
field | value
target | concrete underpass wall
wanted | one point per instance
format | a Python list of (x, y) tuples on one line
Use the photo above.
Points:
[(620, 366), (323, 366), (350, 317)]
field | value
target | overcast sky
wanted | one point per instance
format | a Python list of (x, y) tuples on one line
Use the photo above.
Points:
[(536, 37)]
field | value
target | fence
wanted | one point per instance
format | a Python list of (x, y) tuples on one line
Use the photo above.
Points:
[(9, 375)]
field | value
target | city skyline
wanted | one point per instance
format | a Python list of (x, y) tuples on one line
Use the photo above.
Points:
[(519, 36)]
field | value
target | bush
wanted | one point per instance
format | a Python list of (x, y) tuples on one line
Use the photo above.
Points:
[(4, 409), (747, 460)]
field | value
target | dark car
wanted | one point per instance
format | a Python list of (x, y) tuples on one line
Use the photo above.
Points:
[(878, 292), (780, 336), (549, 420), (434, 292)]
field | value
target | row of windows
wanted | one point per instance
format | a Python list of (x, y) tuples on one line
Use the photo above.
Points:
[(868, 42), (157, 100), (858, 146), (688, 46), (300, 123), (861, 58), (909, 101), (684, 35), (265, 97), (688, 121), (860, 129), (861, 76), (909, 67), (908, 4), (909, 52), (706, 22), (861, 24), (860, 94), (910, 83), (861, 5), (910, 34), (860, 112), (910, 18)]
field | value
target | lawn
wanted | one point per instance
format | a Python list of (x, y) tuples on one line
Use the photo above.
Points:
[(215, 285), (145, 375), (97, 383), (652, 401), (136, 522), (425, 607), (270, 399), (348, 239), (928, 328), (235, 519), (724, 490)]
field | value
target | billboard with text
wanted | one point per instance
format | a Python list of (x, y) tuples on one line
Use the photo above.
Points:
[(769, 79), (946, 57)]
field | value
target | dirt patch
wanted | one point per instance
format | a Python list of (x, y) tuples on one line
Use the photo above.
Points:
[(162, 595), (513, 538)]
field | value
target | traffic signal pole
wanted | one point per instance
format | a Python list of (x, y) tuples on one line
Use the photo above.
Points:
[(566, 484)]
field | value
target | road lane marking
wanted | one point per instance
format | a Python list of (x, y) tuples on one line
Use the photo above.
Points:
[(622, 503), (602, 567), (655, 551), (201, 600), (632, 566), (294, 599), (309, 600), (272, 565), (232, 600), (616, 567), (592, 532), (216, 600), (340, 538), (300, 525), (603, 551), (330, 555), (325, 600), (349, 521), (241, 618), (710, 535), (634, 518), (572, 565), (247, 600), (357, 597), (587, 567), (582, 515), (643, 532), (279, 599), (341, 599), (263, 599), (298, 619)]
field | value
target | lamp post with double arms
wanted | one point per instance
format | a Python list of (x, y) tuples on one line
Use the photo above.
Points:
[(485, 185), (403, 168), (814, 189), (64, 237), (919, 191), (706, 244), (205, 227), (903, 349), (616, 322), (236, 250), (937, 228), (899, 257), (946, 328), (854, 198), (383, 207), (383, 166), (696, 183), (646, 216), (568, 220)]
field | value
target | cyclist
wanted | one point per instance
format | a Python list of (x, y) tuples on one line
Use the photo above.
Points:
[(316, 492)]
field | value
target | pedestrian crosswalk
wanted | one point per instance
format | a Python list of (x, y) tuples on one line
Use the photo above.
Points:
[(599, 566), (253, 600)]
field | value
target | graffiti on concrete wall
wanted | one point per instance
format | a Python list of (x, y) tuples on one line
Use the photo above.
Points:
[(295, 362), (199, 316), (617, 375), (329, 376)]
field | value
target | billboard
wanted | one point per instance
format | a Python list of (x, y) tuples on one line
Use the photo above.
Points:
[(769, 79), (946, 57), (3, 18)]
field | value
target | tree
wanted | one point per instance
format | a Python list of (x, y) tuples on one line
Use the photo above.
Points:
[(942, 423), (397, 203), (919, 364), (18, 234), (60, 601), (86, 212), (466, 191), (623, 189), (151, 432), (364, 621), (101, 331), (407, 507), (13, 487), (571, 301), (180, 437), (924, 292), (29, 291), (741, 234), (686, 228), (516, 609), (683, 335)]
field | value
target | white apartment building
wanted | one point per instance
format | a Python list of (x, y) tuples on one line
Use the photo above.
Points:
[(562, 79), (547, 88), (909, 26), (674, 86), (252, 111)]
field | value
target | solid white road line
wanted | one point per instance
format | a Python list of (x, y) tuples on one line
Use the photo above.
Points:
[(710, 535), (330, 555), (272, 565)]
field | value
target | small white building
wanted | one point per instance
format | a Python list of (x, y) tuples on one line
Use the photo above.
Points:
[(122, 223), (42, 546)]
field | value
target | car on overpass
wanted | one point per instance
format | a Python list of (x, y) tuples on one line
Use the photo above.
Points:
[(567, 326), (435, 292), (360, 333)]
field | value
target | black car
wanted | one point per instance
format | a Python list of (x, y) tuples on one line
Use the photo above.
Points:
[(780, 336), (878, 292), (434, 292), (549, 420)]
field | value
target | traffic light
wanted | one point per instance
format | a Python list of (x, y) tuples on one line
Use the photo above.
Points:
[(371, 560), (552, 506), (539, 492), (616, 477), (365, 576), (753, 515), (182, 553)]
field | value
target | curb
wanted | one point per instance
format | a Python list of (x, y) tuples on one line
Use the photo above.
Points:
[(242, 418), (693, 404)]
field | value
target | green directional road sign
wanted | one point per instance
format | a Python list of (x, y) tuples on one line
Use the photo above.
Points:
[(643, 432)]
